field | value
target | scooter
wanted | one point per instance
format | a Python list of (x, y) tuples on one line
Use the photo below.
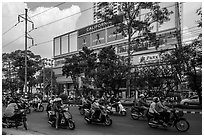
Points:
[(104, 118), (82, 107), (112, 110), (65, 118), (138, 112), (17, 120), (176, 120)]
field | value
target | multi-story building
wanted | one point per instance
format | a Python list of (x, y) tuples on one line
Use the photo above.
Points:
[(102, 34), (96, 9)]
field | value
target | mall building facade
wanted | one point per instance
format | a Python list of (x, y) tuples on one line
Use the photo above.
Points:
[(101, 34)]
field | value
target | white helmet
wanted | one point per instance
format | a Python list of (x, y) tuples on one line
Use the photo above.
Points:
[(141, 95)]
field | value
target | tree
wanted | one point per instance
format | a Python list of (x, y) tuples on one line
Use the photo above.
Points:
[(17, 61), (72, 68), (187, 62), (111, 70), (129, 23), (48, 79), (88, 65)]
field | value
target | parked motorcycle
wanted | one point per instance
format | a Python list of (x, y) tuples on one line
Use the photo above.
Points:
[(176, 119), (17, 120), (65, 118), (83, 107), (138, 112), (112, 110), (103, 119)]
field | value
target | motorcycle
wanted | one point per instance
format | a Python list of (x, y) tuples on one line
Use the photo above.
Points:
[(35, 106), (83, 107), (112, 110), (65, 118), (175, 120), (138, 112), (17, 120), (104, 117)]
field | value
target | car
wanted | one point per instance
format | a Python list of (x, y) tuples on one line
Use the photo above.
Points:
[(193, 100), (127, 101)]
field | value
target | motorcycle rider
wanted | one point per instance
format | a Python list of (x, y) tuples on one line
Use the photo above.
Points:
[(152, 108), (142, 103), (57, 103), (12, 109), (162, 111), (95, 109), (114, 102), (36, 102)]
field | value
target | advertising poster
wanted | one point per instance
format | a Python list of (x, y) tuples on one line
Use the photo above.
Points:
[(98, 38), (113, 35), (84, 41)]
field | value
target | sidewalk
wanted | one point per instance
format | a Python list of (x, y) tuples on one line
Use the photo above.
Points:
[(14, 131)]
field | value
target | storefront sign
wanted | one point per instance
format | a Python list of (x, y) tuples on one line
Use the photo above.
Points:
[(148, 58), (93, 27)]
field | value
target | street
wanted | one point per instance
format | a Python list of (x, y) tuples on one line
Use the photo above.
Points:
[(38, 122)]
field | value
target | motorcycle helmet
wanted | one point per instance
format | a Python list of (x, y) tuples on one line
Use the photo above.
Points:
[(155, 99), (141, 95)]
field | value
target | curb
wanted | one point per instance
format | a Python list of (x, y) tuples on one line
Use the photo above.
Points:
[(185, 112)]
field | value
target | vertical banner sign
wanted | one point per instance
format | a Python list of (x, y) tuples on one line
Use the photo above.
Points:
[(113, 35), (98, 38), (84, 41)]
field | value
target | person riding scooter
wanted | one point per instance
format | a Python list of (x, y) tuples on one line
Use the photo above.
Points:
[(36, 102), (95, 109), (142, 103), (57, 103), (12, 109), (114, 102)]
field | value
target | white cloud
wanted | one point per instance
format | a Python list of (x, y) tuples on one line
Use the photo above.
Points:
[(40, 35)]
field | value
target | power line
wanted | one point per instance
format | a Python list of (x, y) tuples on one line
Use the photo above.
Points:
[(11, 28), (13, 41)]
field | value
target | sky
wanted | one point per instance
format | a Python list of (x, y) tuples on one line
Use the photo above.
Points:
[(74, 15), (44, 35)]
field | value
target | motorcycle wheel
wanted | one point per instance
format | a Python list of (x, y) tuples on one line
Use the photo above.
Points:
[(71, 124), (151, 120), (41, 109), (108, 122), (135, 115), (81, 111), (25, 124), (182, 125)]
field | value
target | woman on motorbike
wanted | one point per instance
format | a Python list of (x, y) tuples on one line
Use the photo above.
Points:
[(57, 103), (95, 108), (152, 108)]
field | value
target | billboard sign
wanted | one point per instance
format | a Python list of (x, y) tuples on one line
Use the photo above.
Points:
[(98, 38), (113, 35), (84, 41)]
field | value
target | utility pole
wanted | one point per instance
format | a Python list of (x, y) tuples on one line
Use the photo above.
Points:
[(26, 36)]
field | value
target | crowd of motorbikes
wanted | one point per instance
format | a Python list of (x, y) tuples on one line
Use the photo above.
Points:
[(20, 117), (176, 118)]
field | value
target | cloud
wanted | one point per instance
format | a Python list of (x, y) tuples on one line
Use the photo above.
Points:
[(41, 34)]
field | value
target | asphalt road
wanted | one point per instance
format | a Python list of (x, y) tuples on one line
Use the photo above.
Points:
[(122, 125)]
